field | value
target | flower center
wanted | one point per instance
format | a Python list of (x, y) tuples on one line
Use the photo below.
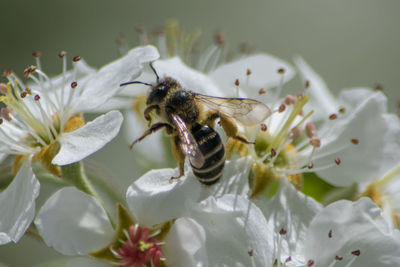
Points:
[(139, 248)]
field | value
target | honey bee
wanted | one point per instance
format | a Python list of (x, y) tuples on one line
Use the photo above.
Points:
[(190, 117)]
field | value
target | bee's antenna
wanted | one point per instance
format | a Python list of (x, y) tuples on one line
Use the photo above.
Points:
[(154, 70), (132, 82)]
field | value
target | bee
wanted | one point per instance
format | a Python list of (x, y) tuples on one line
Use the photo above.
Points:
[(189, 118)]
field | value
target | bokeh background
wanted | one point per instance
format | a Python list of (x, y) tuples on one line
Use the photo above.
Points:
[(348, 42)]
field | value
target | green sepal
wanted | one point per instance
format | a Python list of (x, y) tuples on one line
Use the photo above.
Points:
[(315, 187), (124, 221), (348, 193)]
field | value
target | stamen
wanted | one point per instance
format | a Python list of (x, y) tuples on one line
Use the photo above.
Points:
[(282, 108), (330, 233), (310, 263), (3, 88), (311, 130), (76, 58), (290, 100), (333, 116), (337, 161), (307, 84), (263, 127), (355, 141), (261, 91), (342, 110)]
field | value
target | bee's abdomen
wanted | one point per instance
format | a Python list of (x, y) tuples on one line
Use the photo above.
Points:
[(211, 147)]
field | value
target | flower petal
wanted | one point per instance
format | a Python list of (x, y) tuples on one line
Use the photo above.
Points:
[(377, 133), (154, 198), (189, 78), (264, 74), (292, 211), (321, 99), (236, 232), (344, 228), (17, 204), (74, 223), (106, 82), (185, 244), (81, 143)]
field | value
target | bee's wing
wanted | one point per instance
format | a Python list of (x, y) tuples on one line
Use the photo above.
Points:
[(245, 110), (188, 143)]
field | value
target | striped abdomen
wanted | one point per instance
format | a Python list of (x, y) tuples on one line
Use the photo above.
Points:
[(211, 147)]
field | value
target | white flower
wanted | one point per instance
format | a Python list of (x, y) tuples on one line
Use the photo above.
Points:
[(74, 223), (364, 136), (351, 234), (42, 122)]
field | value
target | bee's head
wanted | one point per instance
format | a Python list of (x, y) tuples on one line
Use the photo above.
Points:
[(160, 90)]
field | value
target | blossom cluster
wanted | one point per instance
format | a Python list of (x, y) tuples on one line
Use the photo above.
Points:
[(317, 185)]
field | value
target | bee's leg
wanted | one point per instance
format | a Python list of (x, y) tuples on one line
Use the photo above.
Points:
[(231, 129), (148, 110), (179, 157), (153, 128)]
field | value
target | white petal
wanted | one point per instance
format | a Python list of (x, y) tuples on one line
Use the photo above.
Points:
[(185, 244), (154, 198), (234, 180), (93, 136), (106, 82), (87, 262), (352, 226), (189, 78), (74, 223), (264, 74), (378, 149), (321, 99), (17, 204), (235, 228), (293, 211)]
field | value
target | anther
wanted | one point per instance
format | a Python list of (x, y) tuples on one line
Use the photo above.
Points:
[(3, 88), (251, 252), (273, 152), (310, 165), (5, 113), (281, 70), (62, 54), (290, 100), (356, 252), (76, 58), (282, 108), (36, 53), (36, 97), (29, 70), (264, 127), (296, 133), (337, 161), (355, 141), (74, 84), (315, 142), (7, 72), (307, 84), (237, 82), (311, 130), (219, 38), (288, 259), (330, 233), (1, 120), (23, 94), (28, 91), (310, 263), (342, 110), (261, 91), (338, 258), (282, 231), (333, 116), (378, 87), (248, 72), (158, 31)]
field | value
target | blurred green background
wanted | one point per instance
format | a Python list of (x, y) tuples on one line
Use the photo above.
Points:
[(348, 42)]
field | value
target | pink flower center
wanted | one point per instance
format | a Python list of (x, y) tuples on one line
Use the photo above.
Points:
[(139, 249)]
